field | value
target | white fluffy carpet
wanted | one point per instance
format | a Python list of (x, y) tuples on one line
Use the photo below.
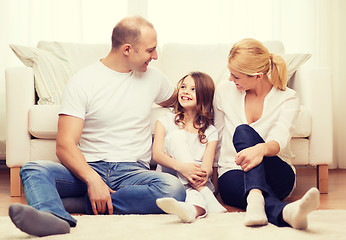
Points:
[(323, 224)]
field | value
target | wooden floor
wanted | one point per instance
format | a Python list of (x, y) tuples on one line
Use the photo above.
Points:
[(306, 178)]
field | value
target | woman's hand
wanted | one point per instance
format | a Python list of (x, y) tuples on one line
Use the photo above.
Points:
[(249, 158), (192, 171)]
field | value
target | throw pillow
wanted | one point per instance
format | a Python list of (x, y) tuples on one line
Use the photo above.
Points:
[(294, 61), (51, 70)]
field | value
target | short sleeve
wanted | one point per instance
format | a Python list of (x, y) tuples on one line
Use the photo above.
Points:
[(74, 100), (165, 88), (168, 121), (211, 133)]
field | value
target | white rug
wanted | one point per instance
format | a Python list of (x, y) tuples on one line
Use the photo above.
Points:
[(323, 224)]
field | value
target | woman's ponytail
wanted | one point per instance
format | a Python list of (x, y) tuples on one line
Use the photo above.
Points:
[(278, 71)]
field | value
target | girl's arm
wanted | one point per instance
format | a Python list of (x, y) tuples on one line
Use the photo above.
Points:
[(191, 171), (207, 162)]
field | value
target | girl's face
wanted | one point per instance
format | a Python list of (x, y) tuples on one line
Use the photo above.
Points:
[(241, 80), (187, 93)]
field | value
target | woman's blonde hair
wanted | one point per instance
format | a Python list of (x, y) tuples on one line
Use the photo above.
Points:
[(251, 57)]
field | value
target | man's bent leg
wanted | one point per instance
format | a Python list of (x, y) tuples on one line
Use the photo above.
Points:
[(137, 188), (46, 182)]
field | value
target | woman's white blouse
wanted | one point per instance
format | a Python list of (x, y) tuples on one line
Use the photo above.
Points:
[(280, 110)]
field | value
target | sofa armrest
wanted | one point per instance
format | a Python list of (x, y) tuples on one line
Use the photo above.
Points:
[(20, 96), (314, 87)]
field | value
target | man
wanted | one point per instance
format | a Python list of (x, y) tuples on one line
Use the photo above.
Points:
[(103, 140)]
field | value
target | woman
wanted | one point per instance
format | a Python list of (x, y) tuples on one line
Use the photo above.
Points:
[(255, 115)]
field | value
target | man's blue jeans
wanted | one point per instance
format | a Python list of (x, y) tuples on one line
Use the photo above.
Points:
[(137, 188), (274, 177)]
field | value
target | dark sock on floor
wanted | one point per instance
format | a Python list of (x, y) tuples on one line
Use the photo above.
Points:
[(37, 223)]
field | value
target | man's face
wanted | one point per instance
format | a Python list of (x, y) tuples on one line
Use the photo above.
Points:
[(144, 51)]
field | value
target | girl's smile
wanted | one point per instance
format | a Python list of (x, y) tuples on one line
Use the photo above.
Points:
[(187, 93)]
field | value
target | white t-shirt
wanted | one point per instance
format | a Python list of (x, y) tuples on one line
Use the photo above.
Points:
[(116, 111), (280, 111), (194, 145)]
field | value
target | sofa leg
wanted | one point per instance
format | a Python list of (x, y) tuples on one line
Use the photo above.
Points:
[(16, 185), (322, 178)]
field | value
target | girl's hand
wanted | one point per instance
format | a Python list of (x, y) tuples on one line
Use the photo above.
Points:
[(200, 184), (250, 157), (193, 172)]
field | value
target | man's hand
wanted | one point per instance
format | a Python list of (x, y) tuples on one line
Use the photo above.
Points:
[(100, 196)]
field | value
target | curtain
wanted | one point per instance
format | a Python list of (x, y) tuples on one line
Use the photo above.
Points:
[(304, 26)]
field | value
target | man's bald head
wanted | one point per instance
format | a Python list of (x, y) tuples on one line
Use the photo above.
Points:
[(128, 30)]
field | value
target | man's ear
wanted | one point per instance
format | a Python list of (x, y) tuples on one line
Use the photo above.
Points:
[(126, 49)]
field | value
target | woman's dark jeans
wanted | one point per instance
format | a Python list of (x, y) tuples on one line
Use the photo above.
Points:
[(274, 177)]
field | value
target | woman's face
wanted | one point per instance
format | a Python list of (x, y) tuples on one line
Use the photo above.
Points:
[(187, 93), (242, 81)]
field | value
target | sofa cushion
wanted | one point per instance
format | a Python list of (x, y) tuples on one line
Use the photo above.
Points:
[(43, 149), (304, 123), (43, 121)]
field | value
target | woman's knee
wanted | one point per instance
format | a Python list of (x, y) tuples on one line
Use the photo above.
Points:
[(245, 136)]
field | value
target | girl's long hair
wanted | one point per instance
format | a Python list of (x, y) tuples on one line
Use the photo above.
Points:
[(204, 87)]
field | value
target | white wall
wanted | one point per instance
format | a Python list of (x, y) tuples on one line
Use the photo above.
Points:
[(338, 64), (3, 51)]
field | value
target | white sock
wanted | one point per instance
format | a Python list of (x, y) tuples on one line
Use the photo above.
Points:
[(185, 211), (213, 204), (255, 212), (295, 214)]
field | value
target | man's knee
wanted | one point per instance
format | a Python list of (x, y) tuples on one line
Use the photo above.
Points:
[(41, 168)]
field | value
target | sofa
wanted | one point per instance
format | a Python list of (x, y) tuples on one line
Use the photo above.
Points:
[(33, 96)]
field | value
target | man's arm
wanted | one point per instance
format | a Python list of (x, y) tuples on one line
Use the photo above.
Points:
[(69, 132), (171, 100)]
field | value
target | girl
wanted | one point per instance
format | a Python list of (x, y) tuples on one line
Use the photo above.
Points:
[(255, 114), (184, 145)]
